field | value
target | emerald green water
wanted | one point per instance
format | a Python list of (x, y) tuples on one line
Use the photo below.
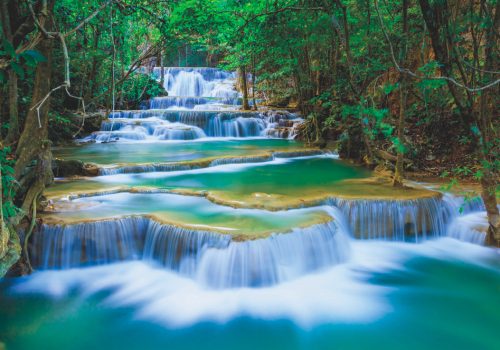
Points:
[(438, 295), (286, 177), (282, 183), (173, 151), (282, 180), (188, 211)]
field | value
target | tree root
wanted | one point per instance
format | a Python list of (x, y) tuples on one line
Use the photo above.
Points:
[(28, 235)]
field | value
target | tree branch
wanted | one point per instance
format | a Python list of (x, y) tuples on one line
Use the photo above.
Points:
[(89, 18), (416, 76), (283, 9)]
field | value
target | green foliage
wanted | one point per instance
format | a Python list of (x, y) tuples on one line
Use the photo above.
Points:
[(33, 57), (388, 88), (399, 146), (22, 63), (60, 127), (140, 87), (463, 171), (372, 119), (9, 183)]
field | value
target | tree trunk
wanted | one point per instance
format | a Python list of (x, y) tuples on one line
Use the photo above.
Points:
[(244, 87), (490, 146), (33, 168), (253, 84), (488, 194), (34, 146), (162, 69), (13, 133), (399, 169)]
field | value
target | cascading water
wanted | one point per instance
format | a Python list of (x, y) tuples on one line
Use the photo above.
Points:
[(178, 102), (218, 261), (201, 102), (189, 125), (469, 228), (408, 220), (175, 166), (211, 258), (276, 259), (170, 167), (198, 82), (101, 242)]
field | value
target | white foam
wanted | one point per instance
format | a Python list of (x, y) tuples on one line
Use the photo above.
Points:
[(469, 228), (173, 301), (338, 294)]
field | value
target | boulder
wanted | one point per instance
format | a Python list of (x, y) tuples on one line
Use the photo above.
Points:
[(67, 168)]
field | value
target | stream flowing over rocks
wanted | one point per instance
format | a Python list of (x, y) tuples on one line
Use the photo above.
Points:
[(192, 218)]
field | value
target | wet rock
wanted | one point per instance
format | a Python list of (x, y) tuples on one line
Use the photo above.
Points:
[(85, 141), (285, 123), (67, 168), (10, 250), (278, 132), (91, 169)]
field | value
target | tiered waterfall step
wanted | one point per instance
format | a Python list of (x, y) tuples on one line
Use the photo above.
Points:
[(164, 124), (114, 158), (197, 81), (177, 102), (213, 259), (372, 206)]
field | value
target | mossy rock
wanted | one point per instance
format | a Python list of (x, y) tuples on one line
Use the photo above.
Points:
[(10, 250), (67, 168)]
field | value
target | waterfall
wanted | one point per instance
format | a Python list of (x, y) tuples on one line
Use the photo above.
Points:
[(191, 117), (164, 124), (211, 258), (402, 220), (241, 160), (278, 258), (147, 168), (177, 131), (198, 82), (219, 126), (180, 249), (301, 153), (169, 167), (218, 261), (469, 228), (201, 102), (180, 102), (88, 243), (471, 224)]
